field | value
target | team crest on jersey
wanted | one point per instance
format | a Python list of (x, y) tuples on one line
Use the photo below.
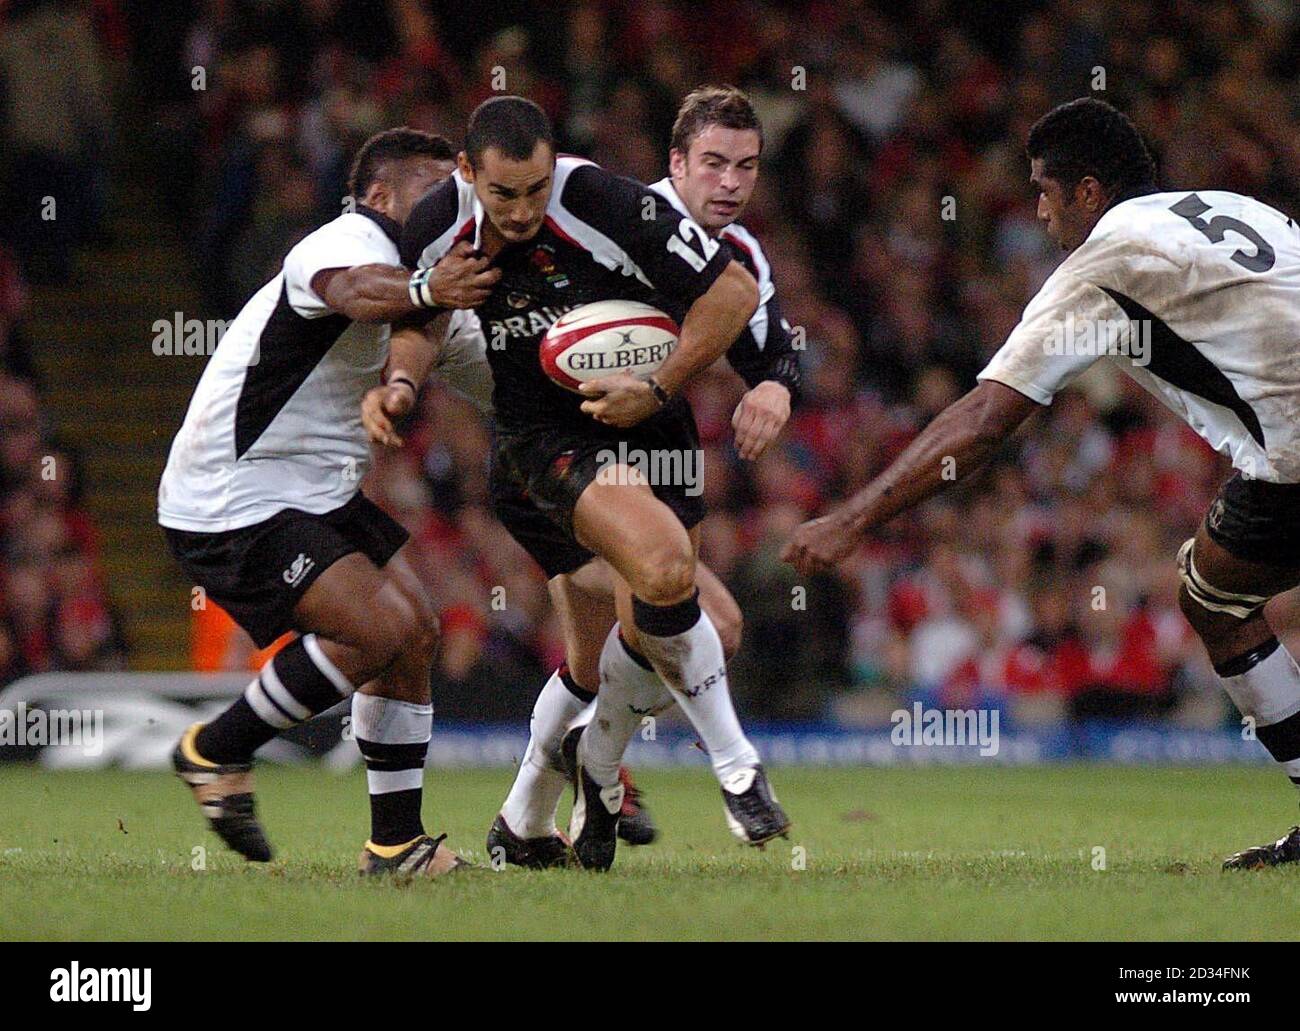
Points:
[(543, 259), (560, 465)]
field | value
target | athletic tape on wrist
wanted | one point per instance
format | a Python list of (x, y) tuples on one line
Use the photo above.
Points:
[(418, 288)]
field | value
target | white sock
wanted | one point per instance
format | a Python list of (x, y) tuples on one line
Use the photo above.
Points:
[(585, 716), (1268, 689), (529, 809), (393, 737), (682, 643), (628, 694), (403, 729)]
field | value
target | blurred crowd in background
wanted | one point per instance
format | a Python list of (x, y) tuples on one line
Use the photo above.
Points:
[(895, 209), (55, 612)]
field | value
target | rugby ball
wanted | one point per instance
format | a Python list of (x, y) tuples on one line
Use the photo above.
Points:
[(604, 338)]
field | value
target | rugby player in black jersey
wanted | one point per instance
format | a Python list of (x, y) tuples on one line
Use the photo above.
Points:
[(716, 145), (565, 232)]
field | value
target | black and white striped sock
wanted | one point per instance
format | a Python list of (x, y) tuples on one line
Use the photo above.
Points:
[(393, 737), (1264, 683), (298, 682)]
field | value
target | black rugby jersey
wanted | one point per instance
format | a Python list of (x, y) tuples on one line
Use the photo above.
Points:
[(605, 237), (765, 349)]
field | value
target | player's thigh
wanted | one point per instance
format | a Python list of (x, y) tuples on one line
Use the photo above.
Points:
[(722, 608), (1225, 571), (584, 601), (1249, 542), (1227, 581), (640, 536)]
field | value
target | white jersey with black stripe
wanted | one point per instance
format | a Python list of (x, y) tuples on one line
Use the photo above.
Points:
[(462, 360), (1197, 297), (275, 421)]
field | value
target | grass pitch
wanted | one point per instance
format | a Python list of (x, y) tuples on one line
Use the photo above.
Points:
[(950, 853)]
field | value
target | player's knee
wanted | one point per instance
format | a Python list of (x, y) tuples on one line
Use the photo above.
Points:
[(394, 627), (426, 632), (383, 647), (666, 575), (418, 631)]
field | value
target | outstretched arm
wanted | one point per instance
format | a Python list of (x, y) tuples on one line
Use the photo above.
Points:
[(959, 442), (386, 293)]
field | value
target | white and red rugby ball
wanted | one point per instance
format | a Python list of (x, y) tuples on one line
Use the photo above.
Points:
[(604, 338)]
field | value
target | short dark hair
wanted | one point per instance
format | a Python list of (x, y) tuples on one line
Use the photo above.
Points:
[(394, 144), (513, 125), (726, 106), (1090, 137)]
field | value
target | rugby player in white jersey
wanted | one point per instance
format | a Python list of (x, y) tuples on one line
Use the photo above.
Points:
[(714, 159), (1215, 276), (260, 504)]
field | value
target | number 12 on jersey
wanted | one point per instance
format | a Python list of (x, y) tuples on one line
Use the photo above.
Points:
[(680, 245)]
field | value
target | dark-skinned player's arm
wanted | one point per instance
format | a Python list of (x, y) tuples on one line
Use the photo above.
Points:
[(386, 293), (412, 350), (447, 276), (956, 444), (1023, 376)]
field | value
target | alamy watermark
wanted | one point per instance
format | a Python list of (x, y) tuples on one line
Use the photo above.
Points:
[(946, 727), (75, 983), (179, 336), (22, 727), (1116, 338), (666, 467)]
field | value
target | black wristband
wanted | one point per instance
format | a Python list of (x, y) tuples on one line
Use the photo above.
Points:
[(661, 395), (404, 379)]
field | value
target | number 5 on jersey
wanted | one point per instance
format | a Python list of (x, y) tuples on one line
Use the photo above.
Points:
[(1192, 208)]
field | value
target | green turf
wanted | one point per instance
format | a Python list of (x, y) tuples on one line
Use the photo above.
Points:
[(966, 853)]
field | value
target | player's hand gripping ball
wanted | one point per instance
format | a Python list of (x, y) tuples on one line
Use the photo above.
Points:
[(608, 337)]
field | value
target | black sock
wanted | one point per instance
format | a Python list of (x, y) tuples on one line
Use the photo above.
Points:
[(235, 735), (295, 685), (395, 816)]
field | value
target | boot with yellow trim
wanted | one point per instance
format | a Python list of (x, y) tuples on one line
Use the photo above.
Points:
[(224, 792), (424, 856)]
